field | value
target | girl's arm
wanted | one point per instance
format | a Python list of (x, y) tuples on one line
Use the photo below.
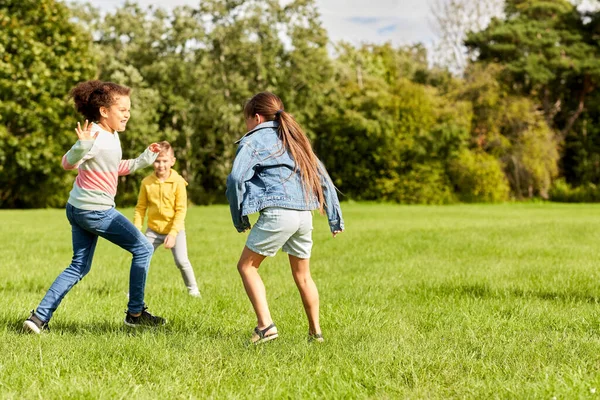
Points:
[(242, 170), (140, 208), (332, 204), (145, 159), (81, 150), (180, 209)]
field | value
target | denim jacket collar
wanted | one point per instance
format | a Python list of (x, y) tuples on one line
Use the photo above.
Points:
[(264, 125)]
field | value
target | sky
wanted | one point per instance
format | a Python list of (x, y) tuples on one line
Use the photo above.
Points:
[(357, 21)]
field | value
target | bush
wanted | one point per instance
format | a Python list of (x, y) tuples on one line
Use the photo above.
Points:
[(478, 177), (562, 192), (424, 184)]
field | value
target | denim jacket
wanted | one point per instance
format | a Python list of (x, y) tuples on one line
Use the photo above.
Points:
[(263, 176)]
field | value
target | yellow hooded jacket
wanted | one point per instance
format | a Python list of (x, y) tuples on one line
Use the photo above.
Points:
[(166, 203)]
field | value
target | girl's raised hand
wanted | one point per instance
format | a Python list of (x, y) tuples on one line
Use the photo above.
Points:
[(154, 148), (86, 132)]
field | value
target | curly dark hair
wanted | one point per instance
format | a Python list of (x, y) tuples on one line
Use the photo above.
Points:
[(89, 96)]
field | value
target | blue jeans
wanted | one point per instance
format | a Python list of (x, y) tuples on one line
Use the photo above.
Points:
[(86, 227)]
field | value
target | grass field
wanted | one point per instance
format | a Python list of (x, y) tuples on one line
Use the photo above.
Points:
[(467, 301)]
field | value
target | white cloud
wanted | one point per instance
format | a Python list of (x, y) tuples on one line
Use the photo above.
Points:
[(356, 21), (398, 21)]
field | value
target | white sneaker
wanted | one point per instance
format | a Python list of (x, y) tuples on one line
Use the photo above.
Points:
[(194, 293)]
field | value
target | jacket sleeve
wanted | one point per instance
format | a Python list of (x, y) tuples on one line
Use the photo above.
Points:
[(140, 208), (242, 171), (332, 203), (145, 159), (180, 209), (80, 152)]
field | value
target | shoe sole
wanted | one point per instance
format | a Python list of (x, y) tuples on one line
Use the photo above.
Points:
[(143, 326), (31, 327), (267, 338)]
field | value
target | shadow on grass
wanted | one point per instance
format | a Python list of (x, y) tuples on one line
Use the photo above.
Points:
[(15, 324), (116, 327), (484, 291)]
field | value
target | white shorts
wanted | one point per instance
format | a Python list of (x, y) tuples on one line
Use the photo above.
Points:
[(282, 228)]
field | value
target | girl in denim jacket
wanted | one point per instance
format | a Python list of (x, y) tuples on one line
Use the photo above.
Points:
[(276, 173)]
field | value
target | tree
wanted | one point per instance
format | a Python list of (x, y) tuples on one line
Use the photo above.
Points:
[(42, 56), (132, 40), (510, 129), (581, 150), (202, 63), (453, 20), (550, 54), (388, 137)]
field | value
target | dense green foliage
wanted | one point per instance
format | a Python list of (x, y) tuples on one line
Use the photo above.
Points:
[(478, 177), (452, 302), (198, 66), (387, 125), (550, 52), (562, 191), (42, 55)]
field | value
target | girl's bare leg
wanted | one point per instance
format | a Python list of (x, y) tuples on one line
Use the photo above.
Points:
[(308, 291), (255, 289)]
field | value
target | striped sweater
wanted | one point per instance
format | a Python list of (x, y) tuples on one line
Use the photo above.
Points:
[(99, 165)]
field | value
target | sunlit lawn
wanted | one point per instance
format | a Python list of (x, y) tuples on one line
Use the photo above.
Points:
[(467, 301)]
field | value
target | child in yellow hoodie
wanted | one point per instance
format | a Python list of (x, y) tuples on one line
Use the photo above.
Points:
[(163, 195)]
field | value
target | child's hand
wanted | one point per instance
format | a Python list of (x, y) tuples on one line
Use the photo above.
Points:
[(86, 132), (154, 148), (170, 241), (335, 233)]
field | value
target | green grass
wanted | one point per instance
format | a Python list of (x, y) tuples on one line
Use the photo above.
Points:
[(466, 301)]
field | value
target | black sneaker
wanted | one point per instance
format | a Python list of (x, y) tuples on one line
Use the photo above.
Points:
[(34, 324), (144, 319)]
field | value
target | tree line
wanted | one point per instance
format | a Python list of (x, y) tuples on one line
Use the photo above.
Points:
[(520, 120)]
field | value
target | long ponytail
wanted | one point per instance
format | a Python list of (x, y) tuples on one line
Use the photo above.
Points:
[(294, 141)]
